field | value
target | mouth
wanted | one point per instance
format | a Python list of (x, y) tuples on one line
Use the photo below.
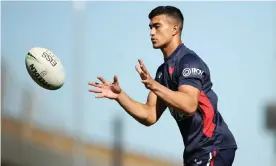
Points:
[(153, 40)]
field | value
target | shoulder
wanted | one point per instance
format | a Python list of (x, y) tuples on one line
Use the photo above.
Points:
[(189, 58), (189, 63)]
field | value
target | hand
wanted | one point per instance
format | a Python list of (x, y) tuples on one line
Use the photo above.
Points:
[(145, 75), (106, 89)]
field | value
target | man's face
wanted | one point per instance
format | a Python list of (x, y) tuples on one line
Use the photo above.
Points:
[(161, 31)]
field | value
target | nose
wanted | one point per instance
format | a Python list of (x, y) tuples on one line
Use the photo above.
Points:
[(152, 32)]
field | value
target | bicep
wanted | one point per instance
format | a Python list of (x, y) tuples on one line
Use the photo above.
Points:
[(191, 79), (191, 87), (191, 91), (156, 106), (191, 97)]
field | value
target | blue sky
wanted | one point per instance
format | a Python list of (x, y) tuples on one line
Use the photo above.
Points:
[(236, 40)]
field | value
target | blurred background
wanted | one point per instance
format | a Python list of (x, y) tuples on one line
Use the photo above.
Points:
[(69, 127)]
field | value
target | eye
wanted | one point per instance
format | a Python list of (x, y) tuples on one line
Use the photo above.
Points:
[(158, 26)]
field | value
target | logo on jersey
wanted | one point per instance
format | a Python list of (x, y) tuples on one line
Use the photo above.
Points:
[(171, 69), (192, 71), (159, 75)]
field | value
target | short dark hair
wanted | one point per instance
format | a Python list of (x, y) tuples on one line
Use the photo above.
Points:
[(169, 11)]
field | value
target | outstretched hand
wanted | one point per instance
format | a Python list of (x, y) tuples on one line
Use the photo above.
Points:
[(106, 89), (112, 90), (145, 75)]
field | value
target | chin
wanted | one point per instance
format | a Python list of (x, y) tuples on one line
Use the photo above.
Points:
[(156, 46)]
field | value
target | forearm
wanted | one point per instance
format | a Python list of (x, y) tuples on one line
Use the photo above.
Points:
[(137, 110), (180, 101)]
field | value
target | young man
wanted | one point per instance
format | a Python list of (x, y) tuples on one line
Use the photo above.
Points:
[(183, 84)]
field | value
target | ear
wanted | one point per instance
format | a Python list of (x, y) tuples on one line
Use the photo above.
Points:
[(175, 30)]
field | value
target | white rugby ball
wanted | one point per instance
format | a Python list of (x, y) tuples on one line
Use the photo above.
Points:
[(45, 68)]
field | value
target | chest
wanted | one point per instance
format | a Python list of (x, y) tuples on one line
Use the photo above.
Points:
[(167, 76)]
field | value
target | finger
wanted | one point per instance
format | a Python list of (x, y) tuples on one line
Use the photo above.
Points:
[(95, 90), (95, 84), (116, 80), (141, 73), (140, 61), (144, 81), (142, 65), (144, 69), (100, 96), (144, 75), (138, 69), (102, 79)]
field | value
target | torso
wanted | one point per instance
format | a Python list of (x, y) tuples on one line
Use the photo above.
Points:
[(206, 129)]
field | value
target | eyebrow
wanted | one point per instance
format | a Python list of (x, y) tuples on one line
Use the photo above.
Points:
[(155, 24)]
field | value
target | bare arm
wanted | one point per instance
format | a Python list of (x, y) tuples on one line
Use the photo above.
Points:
[(185, 99), (147, 114), (186, 93)]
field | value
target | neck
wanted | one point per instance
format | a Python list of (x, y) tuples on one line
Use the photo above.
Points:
[(170, 48)]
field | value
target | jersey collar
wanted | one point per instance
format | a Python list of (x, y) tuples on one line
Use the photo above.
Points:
[(174, 53)]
